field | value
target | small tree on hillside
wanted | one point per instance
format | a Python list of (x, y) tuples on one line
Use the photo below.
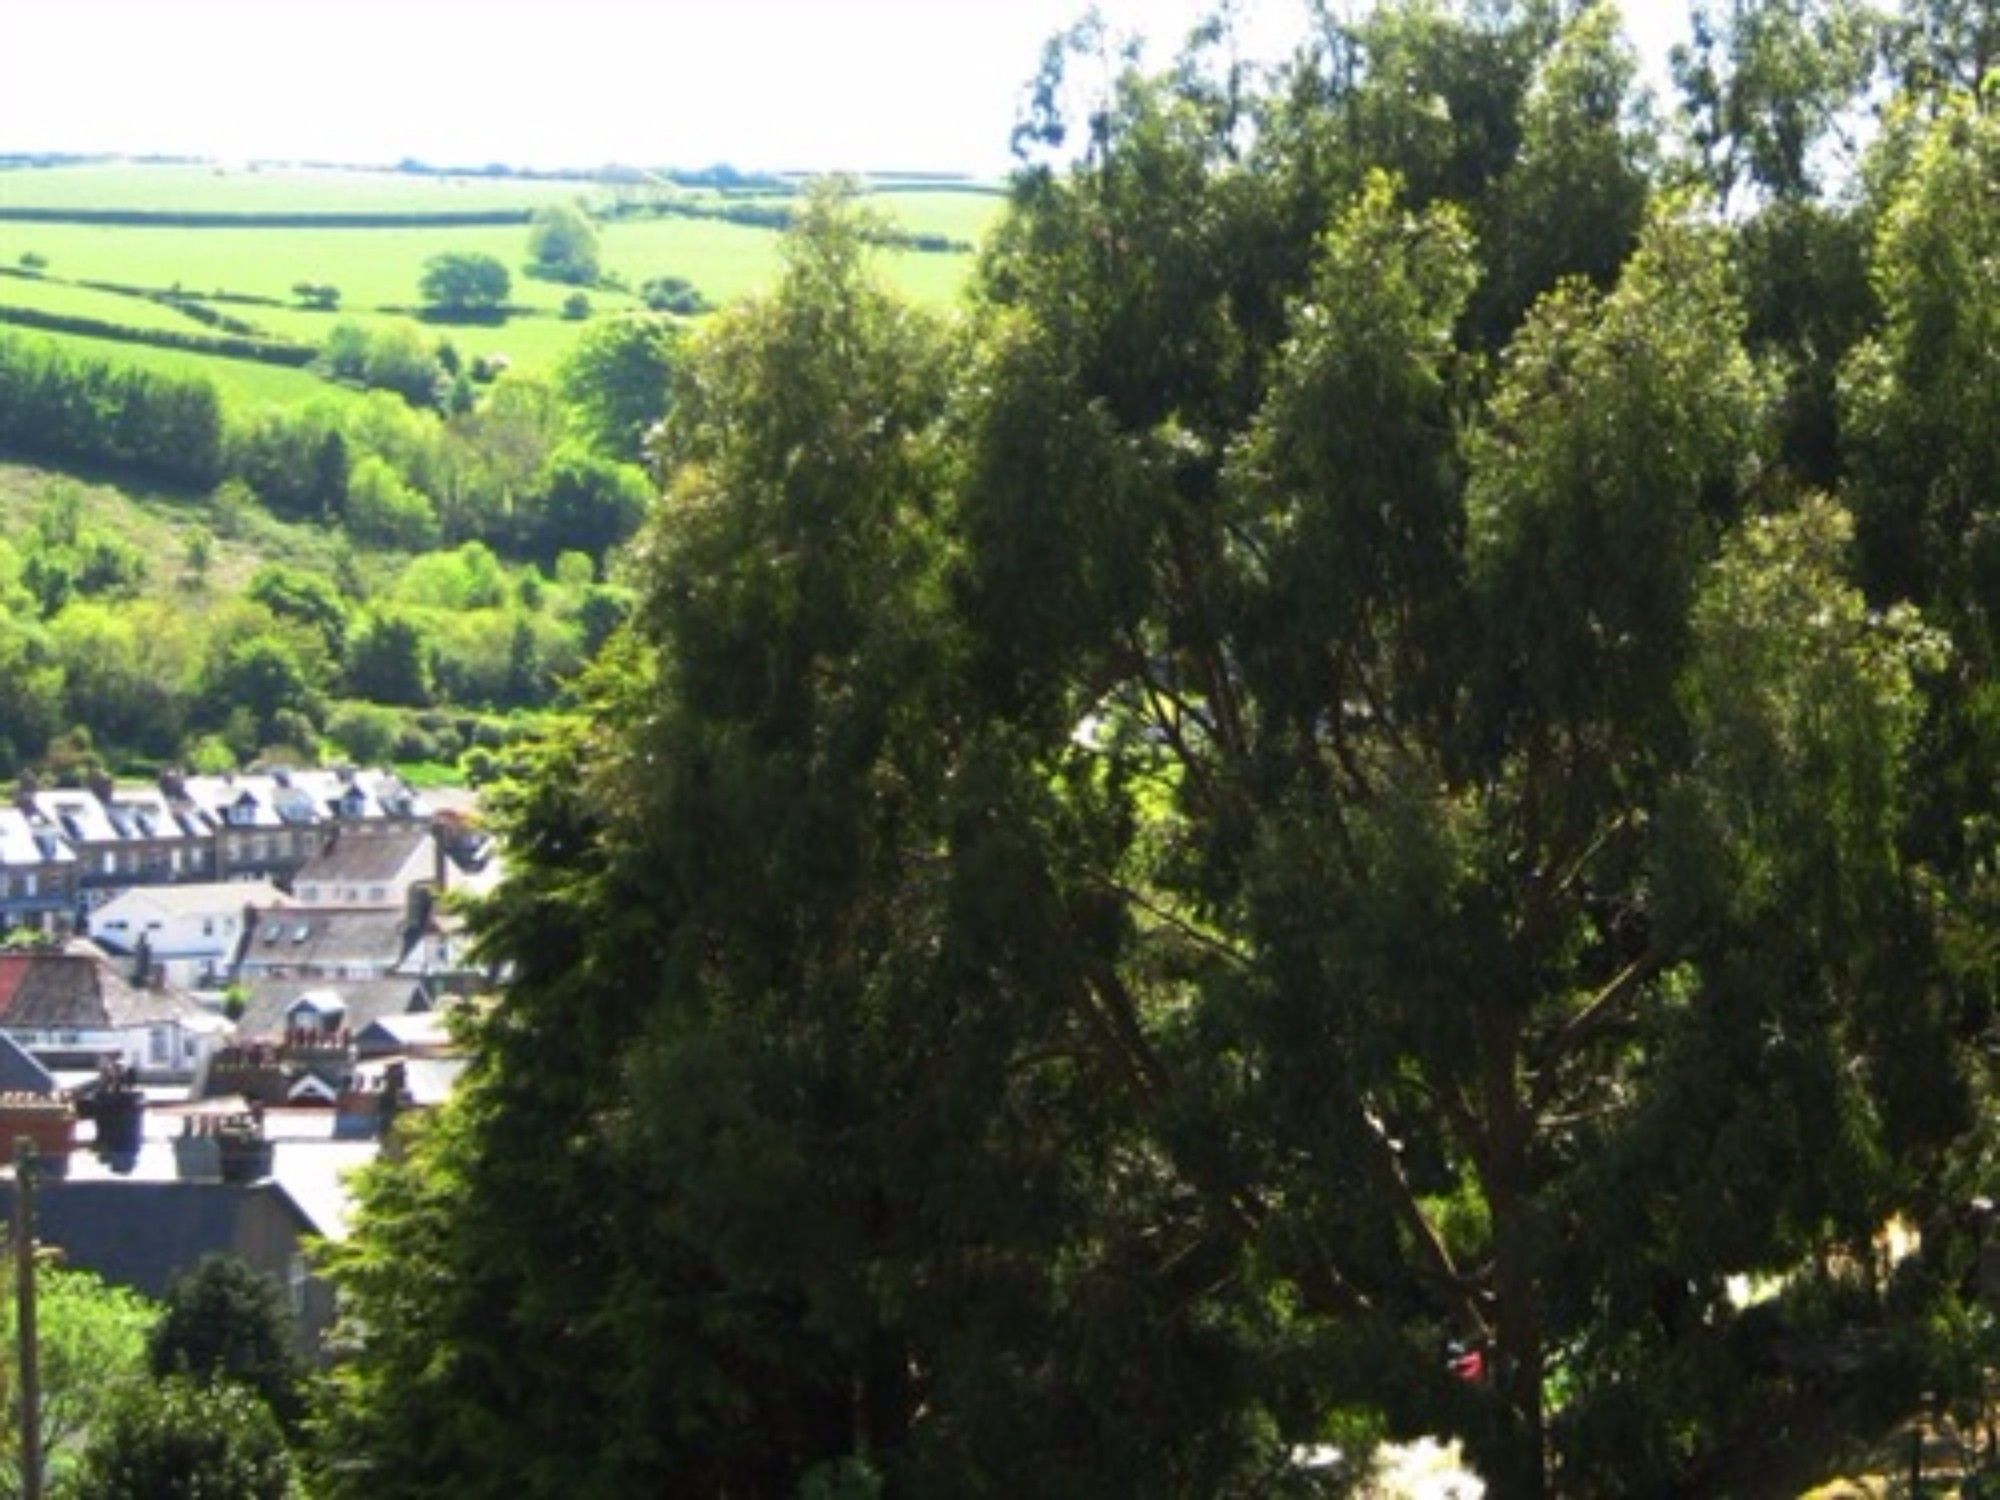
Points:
[(562, 246), (460, 282)]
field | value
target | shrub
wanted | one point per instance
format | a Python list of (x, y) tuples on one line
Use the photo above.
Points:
[(364, 732), (180, 1439)]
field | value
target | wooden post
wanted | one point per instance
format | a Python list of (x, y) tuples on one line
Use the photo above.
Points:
[(24, 1288)]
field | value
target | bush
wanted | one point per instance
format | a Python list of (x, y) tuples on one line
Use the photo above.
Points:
[(365, 732), (576, 307), (179, 1440), (317, 294), (226, 1321), (674, 294), (383, 509), (459, 282)]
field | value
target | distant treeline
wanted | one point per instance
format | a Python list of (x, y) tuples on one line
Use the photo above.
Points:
[(919, 183), (763, 213), (11, 161), (193, 219), (158, 426)]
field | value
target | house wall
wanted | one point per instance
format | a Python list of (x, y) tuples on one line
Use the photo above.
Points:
[(158, 1050), (189, 946)]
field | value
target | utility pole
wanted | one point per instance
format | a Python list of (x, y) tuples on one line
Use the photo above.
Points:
[(24, 1288)]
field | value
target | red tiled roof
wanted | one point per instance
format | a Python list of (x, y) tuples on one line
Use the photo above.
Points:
[(14, 968), (49, 989)]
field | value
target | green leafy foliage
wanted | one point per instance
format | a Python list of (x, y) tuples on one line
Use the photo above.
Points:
[(618, 383), (1315, 783), (93, 1353), (224, 1322), (462, 282), (181, 1440), (562, 245)]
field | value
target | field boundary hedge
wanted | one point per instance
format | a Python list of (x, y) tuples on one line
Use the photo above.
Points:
[(778, 216), (264, 351)]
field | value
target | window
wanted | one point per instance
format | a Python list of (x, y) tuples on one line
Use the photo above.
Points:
[(295, 1283)]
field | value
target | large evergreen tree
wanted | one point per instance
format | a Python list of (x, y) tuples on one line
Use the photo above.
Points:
[(1315, 783)]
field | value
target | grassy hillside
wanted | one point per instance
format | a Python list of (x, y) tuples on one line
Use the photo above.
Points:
[(161, 524), (243, 383), (377, 269)]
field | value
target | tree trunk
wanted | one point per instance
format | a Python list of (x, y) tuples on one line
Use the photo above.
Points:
[(1518, 1461)]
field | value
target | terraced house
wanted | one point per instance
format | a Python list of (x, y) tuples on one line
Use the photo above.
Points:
[(66, 852)]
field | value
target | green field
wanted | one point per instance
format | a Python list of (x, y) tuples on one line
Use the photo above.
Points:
[(371, 267), (963, 216), (242, 382), (379, 268), (83, 302), (220, 189)]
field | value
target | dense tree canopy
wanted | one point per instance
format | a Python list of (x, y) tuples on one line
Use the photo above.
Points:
[(1388, 748)]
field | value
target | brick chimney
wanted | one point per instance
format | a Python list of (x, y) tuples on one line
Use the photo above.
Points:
[(48, 1120), (223, 1148)]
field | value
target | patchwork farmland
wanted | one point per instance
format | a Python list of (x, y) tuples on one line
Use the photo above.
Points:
[(120, 260)]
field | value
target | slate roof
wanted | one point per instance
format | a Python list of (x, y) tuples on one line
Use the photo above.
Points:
[(143, 815), (370, 859), (429, 1081), (404, 1032), (198, 899), (320, 939), (77, 815), (79, 989), (143, 1234), (283, 796), (20, 1073), (366, 1000), (23, 844)]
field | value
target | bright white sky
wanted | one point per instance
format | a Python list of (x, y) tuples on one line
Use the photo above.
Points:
[(775, 84)]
